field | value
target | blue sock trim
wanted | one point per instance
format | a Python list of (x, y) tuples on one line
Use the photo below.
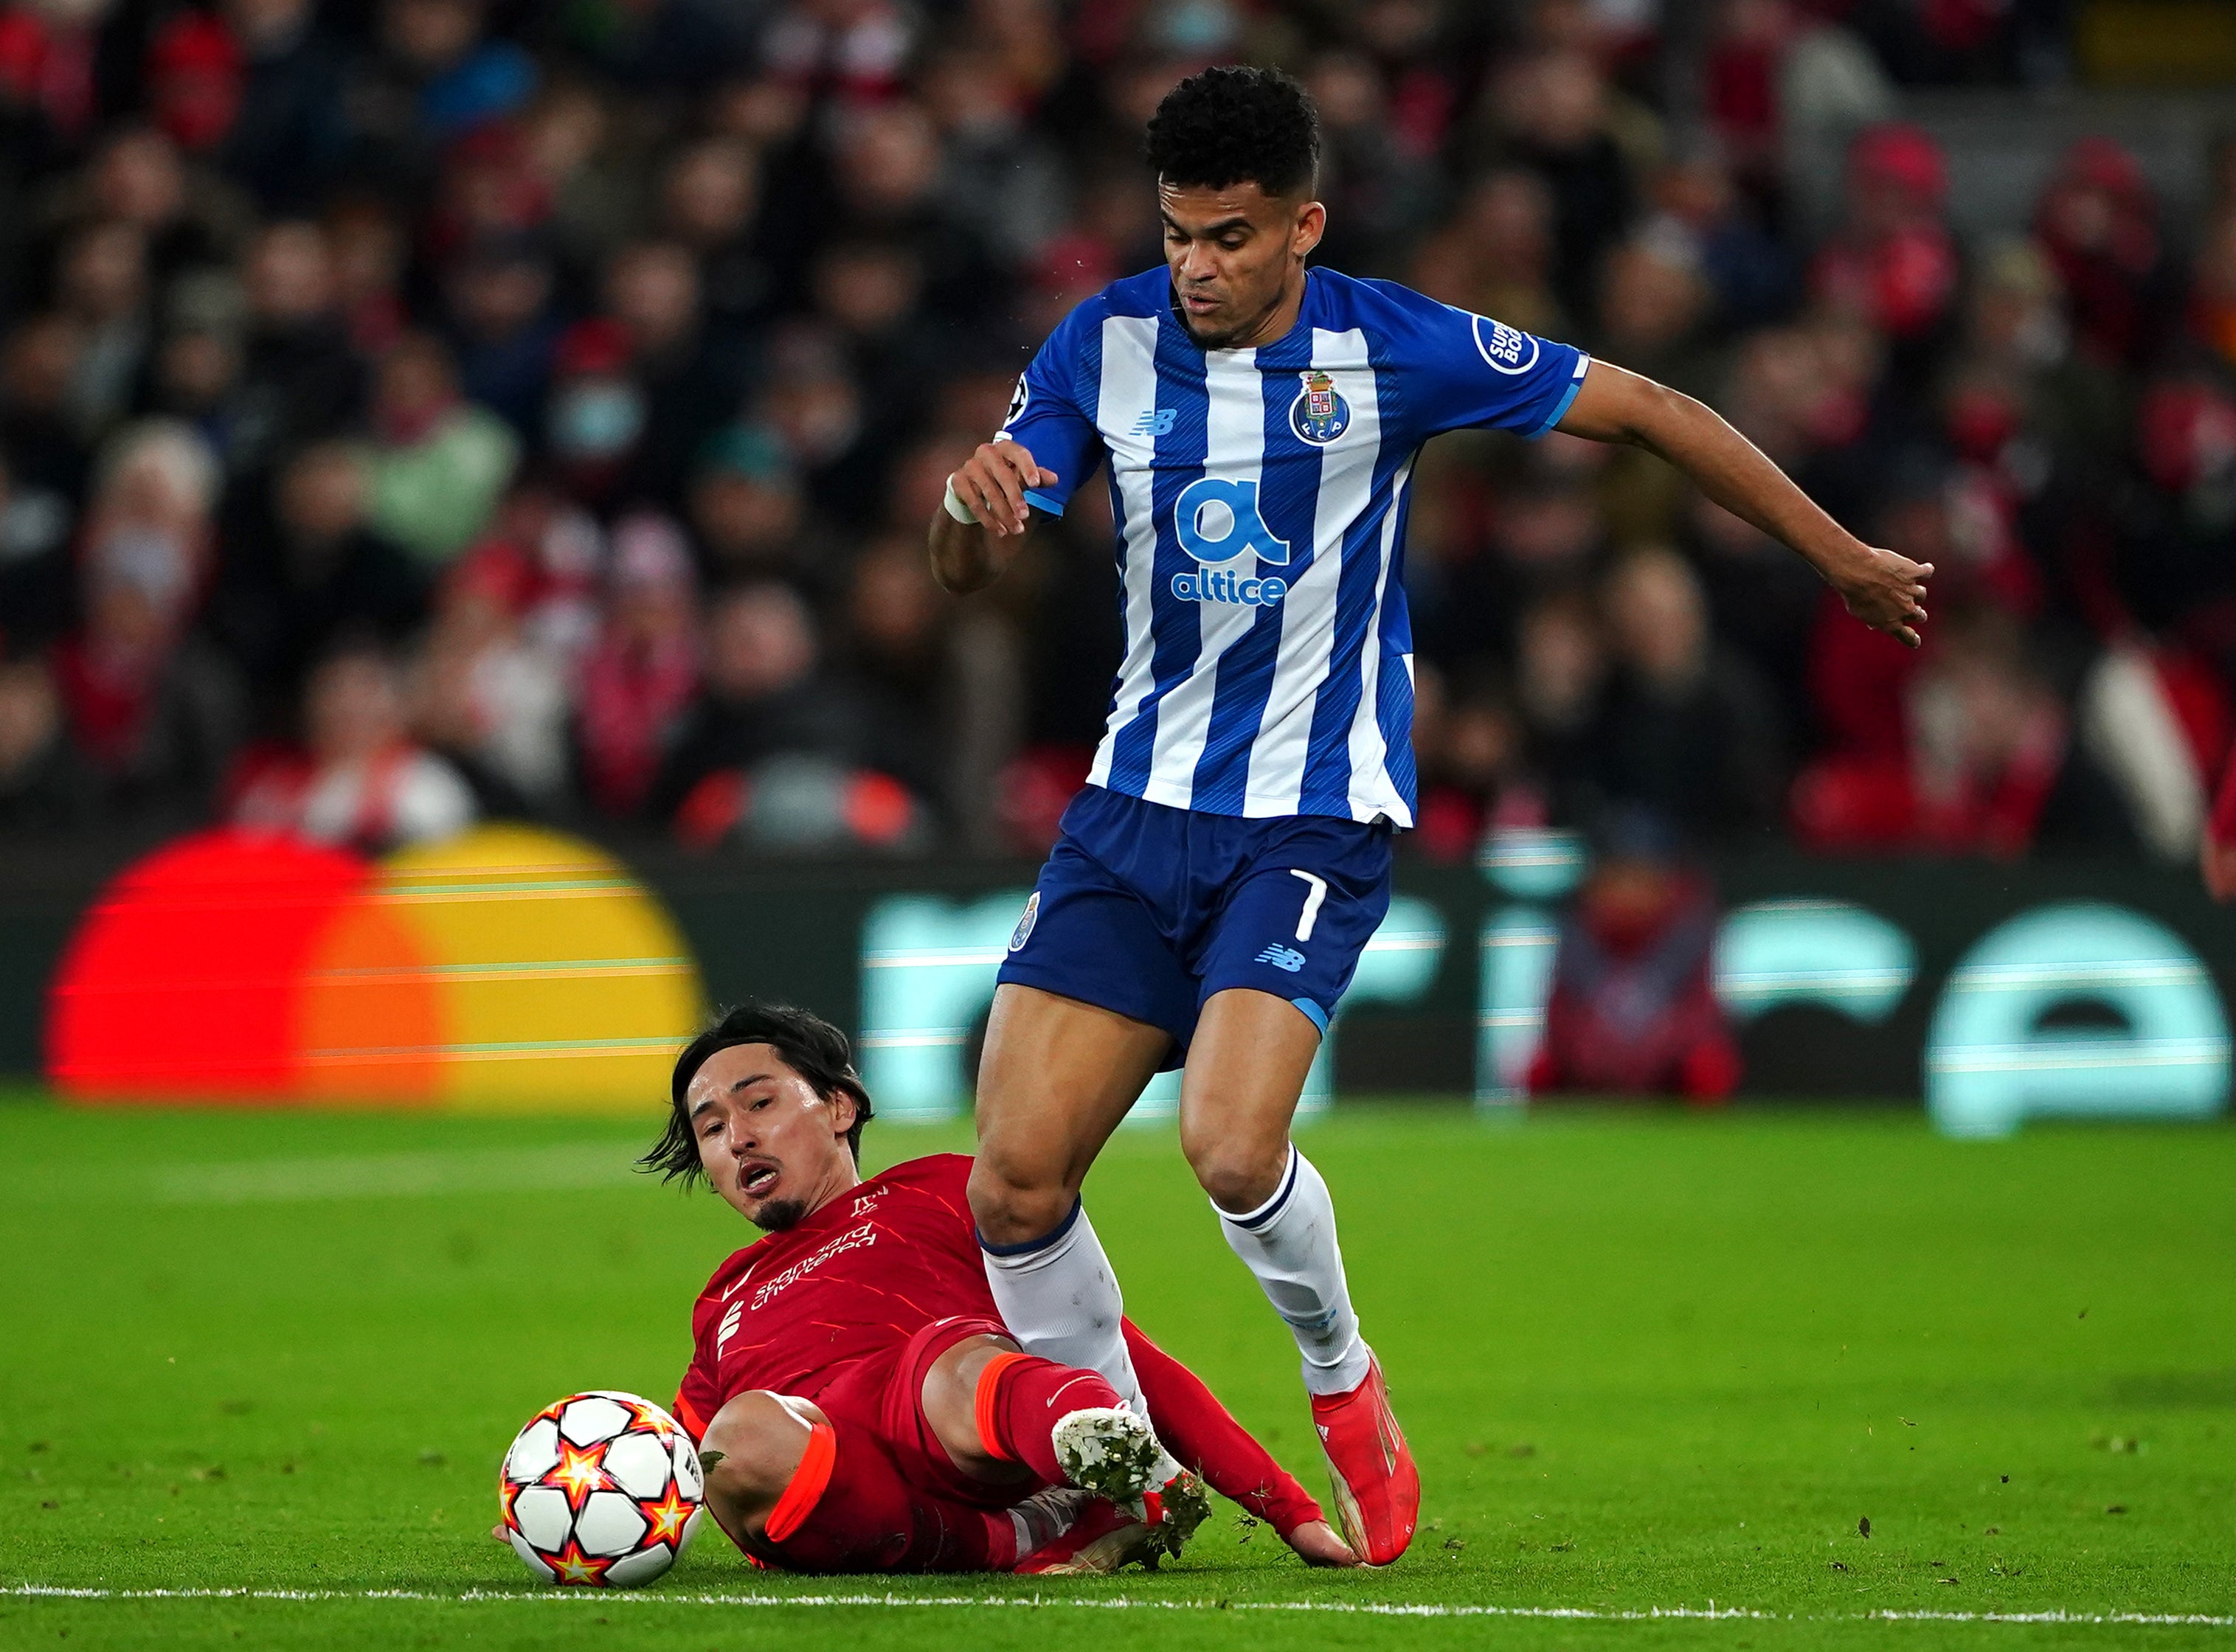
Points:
[(1272, 1207), (1070, 1217), (1313, 1013)]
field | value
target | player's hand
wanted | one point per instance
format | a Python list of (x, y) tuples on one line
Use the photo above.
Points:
[(1887, 593), (992, 483), (1316, 1542)]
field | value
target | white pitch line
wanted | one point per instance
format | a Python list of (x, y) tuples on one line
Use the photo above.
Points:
[(1117, 1602)]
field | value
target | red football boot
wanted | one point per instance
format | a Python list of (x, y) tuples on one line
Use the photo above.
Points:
[(1377, 1490)]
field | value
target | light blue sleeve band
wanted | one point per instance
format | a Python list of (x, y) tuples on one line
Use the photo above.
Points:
[(1313, 1013), (1054, 507), (1554, 417)]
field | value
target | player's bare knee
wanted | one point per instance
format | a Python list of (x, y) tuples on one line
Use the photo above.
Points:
[(1012, 1208), (1238, 1176), (762, 1442)]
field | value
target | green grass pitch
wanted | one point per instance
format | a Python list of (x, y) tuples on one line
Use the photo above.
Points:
[(1648, 1362)]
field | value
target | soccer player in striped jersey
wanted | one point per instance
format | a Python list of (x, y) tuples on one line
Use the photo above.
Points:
[(1229, 858)]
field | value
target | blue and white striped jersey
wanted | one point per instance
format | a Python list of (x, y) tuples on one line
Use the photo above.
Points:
[(1259, 497)]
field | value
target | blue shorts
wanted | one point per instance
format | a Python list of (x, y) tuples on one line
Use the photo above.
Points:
[(1148, 910)]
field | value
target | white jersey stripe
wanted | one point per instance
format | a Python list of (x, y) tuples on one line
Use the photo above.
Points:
[(1277, 761), (1371, 792), (1129, 383), (1234, 448)]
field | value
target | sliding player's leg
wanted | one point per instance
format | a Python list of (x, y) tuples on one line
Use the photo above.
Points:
[(968, 1415), (796, 1490), (1203, 1435), (1057, 1076), (802, 1491)]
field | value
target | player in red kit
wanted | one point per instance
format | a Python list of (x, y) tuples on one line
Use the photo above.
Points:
[(860, 1404)]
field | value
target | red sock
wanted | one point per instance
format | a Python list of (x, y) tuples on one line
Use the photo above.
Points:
[(1203, 1434), (847, 1509), (1020, 1400)]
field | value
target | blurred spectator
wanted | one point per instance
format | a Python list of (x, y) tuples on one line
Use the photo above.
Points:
[(764, 695), (155, 710), (641, 675), (1496, 256), (46, 788), (710, 200), (1561, 670), (289, 134), (750, 513), (1475, 775), (35, 571), (942, 686), (302, 380), (1633, 1008), (439, 462), (685, 380), (358, 781), (2098, 222), (483, 694), (101, 283), (1554, 114), (504, 327), (303, 569), (1892, 263), (1688, 730), (1985, 763)]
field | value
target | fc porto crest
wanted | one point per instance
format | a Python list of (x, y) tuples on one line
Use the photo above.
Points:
[(1023, 932), (1319, 414)]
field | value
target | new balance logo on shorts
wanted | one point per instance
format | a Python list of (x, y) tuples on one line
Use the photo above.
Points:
[(1282, 957)]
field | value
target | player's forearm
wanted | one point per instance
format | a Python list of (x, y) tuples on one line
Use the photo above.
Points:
[(1721, 463), (963, 557)]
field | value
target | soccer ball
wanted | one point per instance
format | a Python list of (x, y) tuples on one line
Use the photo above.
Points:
[(602, 1490)]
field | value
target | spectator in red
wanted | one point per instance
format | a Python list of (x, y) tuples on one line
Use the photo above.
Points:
[(641, 675), (2098, 222), (155, 710), (1893, 262), (1633, 1009)]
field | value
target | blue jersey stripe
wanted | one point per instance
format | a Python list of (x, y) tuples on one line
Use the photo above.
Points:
[(1393, 700), (1327, 788), (1245, 671), (1177, 631)]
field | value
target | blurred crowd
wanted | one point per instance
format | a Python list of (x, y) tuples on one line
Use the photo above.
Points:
[(417, 411)]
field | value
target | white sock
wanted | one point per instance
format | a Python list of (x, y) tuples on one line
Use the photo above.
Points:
[(1059, 1297), (1289, 1243)]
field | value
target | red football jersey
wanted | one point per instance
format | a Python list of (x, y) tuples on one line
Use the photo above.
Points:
[(858, 1278)]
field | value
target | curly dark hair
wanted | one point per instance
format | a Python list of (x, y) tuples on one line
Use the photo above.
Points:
[(810, 1045), (1223, 126)]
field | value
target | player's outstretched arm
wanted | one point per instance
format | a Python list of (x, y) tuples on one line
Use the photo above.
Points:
[(1886, 591), (977, 529)]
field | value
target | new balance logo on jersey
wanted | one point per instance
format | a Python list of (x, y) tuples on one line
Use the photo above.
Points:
[(1282, 957), (1158, 420)]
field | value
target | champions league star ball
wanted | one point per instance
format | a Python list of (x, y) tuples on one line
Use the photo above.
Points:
[(601, 1490)]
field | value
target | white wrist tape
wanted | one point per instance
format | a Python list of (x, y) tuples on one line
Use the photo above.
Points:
[(955, 507)]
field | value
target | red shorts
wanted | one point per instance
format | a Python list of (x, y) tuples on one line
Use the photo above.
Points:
[(883, 1398)]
